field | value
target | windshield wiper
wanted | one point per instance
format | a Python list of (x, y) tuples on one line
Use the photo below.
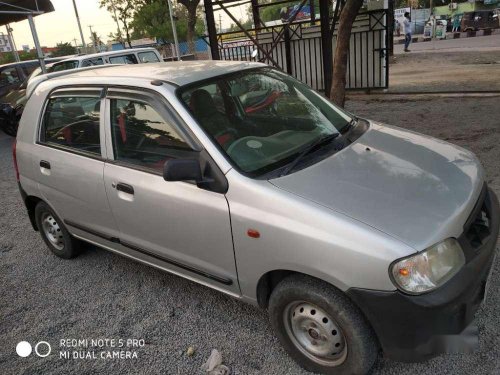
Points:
[(307, 149), (349, 125)]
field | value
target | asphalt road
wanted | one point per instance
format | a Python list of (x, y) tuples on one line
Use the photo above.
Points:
[(479, 43), (102, 295)]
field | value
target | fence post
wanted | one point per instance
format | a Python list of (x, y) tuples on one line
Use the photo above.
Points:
[(212, 32), (288, 52), (326, 46)]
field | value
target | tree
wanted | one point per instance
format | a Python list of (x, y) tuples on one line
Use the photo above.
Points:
[(64, 49), (192, 9), (122, 11), (347, 16), (152, 19), (8, 57), (96, 40)]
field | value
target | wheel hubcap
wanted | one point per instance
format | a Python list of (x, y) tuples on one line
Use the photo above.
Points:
[(315, 333), (52, 231)]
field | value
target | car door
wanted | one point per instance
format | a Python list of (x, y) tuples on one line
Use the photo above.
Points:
[(69, 161), (177, 225)]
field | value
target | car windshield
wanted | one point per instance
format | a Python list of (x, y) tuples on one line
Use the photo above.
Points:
[(262, 119)]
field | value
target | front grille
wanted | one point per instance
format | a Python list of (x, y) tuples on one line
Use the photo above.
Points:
[(478, 226)]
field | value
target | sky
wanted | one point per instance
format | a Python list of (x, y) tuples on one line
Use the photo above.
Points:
[(61, 26)]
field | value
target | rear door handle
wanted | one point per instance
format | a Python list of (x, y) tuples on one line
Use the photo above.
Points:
[(126, 188), (44, 164)]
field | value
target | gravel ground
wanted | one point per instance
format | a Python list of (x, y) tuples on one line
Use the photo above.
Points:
[(445, 71), (101, 295)]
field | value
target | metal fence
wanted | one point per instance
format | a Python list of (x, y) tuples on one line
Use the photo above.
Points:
[(299, 51)]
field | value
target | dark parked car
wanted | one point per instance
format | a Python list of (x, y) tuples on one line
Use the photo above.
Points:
[(11, 109), (13, 75), (478, 20), (14, 79)]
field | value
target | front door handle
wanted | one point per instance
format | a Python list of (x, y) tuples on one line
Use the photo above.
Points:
[(44, 164), (126, 188)]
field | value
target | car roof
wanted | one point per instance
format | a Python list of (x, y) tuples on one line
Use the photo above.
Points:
[(29, 62), (178, 72), (109, 53)]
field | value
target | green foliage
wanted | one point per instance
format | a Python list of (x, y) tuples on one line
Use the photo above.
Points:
[(122, 11), (153, 20), (64, 49), (8, 57)]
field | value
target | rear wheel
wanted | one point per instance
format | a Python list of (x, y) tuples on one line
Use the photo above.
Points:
[(321, 328), (54, 233)]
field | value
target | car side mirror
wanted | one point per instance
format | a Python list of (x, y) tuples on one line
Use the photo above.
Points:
[(182, 170)]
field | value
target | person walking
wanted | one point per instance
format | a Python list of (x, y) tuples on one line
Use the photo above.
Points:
[(456, 24), (407, 30)]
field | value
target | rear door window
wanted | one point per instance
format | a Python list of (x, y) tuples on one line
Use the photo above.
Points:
[(92, 62), (148, 57), (64, 65), (123, 59), (73, 122)]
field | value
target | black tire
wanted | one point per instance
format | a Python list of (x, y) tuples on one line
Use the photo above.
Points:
[(62, 243), (359, 345)]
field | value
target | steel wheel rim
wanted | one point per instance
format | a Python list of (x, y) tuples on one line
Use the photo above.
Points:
[(315, 333), (52, 231)]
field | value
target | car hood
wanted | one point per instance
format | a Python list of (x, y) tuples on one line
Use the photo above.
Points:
[(415, 188)]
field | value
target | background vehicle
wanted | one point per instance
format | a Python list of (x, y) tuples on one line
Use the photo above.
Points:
[(478, 20), (239, 177), (14, 74), (12, 102), (126, 56)]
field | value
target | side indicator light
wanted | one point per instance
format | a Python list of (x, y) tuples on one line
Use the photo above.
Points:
[(254, 233)]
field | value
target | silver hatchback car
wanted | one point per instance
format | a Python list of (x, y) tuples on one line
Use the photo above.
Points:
[(355, 236)]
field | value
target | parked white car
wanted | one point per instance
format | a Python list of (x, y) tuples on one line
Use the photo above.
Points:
[(125, 56)]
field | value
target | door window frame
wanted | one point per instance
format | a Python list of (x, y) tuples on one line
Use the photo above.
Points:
[(87, 91)]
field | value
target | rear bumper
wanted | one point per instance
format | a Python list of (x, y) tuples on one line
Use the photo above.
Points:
[(415, 328)]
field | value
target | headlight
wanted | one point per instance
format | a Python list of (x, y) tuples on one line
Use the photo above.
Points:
[(429, 269)]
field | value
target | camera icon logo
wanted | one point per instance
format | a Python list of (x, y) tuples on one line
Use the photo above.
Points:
[(42, 349)]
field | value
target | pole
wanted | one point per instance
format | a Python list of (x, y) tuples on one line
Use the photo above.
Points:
[(255, 14), (79, 26), (390, 29), (93, 38), (212, 31), (12, 43), (326, 43), (37, 44), (174, 29)]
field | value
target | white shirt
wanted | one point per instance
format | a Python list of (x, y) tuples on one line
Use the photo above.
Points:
[(406, 26)]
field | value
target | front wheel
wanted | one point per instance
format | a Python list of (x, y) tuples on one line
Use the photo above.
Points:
[(321, 328)]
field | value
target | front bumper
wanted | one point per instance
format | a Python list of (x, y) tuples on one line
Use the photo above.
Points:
[(415, 328)]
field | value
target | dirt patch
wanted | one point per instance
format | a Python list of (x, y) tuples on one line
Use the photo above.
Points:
[(447, 71)]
